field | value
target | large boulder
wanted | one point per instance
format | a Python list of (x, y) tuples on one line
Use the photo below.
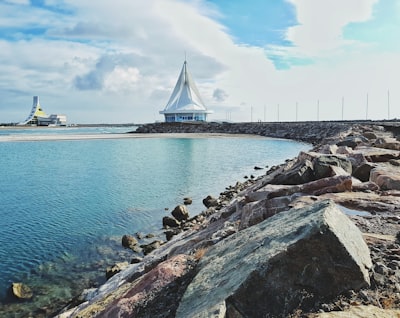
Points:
[(180, 212), (210, 201), (170, 222), (301, 172), (322, 165), (151, 294), (290, 261), (374, 154), (363, 171), (387, 177)]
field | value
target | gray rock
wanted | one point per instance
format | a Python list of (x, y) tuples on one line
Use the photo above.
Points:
[(210, 201), (293, 259), (363, 171), (352, 141), (322, 165), (180, 213), (301, 172), (168, 221), (369, 135)]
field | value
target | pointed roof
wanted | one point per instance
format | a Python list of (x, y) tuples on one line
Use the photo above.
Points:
[(185, 96), (36, 112)]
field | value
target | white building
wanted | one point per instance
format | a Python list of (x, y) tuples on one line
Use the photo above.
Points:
[(38, 117), (185, 103)]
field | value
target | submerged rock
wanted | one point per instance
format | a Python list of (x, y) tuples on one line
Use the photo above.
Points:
[(128, 241), (21, 291), (291, 260), (116, 268), (148, 248)]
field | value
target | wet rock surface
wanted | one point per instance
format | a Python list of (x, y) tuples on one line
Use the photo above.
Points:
[(339, 170)]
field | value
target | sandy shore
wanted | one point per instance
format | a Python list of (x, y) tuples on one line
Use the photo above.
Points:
[(61, 137)]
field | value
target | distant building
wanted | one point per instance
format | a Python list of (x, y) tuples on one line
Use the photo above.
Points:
[(185, 103), (38, 117)]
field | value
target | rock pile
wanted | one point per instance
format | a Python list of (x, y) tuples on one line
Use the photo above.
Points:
[(279, 245)]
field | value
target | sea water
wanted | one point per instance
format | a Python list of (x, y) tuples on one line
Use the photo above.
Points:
[(64, 205)]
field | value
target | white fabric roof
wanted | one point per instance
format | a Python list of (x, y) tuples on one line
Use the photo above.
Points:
[(185, 96)]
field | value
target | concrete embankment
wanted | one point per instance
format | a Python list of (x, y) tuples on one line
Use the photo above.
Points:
[(319, 233)]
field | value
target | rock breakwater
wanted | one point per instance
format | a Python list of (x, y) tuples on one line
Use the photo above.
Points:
[(310, 132), (316, 234)]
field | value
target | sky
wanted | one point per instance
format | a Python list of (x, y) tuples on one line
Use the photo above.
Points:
[(259, 60)]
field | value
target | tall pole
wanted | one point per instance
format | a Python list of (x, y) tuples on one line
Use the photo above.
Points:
[(278, 112), (297, 108), (342, 106), (251, 113), (366, 111), (265, 112)]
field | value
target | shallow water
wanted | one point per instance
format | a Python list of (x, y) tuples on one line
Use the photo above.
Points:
[(66, 204)]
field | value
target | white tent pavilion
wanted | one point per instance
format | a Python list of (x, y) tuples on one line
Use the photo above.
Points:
[(185, 103)]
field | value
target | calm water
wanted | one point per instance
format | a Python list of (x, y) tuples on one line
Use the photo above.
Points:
[(64, 205)]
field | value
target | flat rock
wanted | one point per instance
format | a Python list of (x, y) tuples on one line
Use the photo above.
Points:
[(146, 288), (360, 312), (387, 177), (312, 253), (374, 154)]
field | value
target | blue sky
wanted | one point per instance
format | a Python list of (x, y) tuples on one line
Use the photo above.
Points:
[(118, 61)]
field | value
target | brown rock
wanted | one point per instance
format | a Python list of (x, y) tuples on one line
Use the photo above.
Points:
[(387, 177), (142, 295), (170, 222), (374, 154), (21, 291), (148, 248), (180, 213), (116, 268), (363, 171), (128, 241), (360, 312), (210, 201)]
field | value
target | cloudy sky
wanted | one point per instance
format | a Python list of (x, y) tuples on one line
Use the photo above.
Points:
[(118, 61)]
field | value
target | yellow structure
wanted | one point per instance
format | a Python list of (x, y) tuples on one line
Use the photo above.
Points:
[(38, 117)]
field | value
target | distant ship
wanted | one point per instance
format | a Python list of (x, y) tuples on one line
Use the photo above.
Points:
[(38, 117)]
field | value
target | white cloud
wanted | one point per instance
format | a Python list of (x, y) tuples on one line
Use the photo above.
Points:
[(119, 61), (321, 23), (122, 79)]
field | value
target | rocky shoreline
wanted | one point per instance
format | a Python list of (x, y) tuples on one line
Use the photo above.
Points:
[(275, 246)]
